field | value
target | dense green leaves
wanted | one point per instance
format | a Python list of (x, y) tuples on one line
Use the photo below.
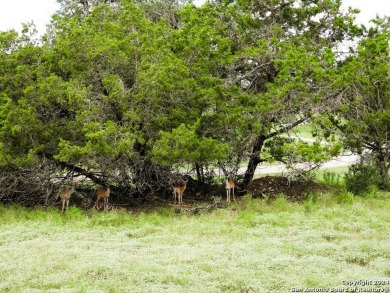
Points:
[(183, 146), (131, 90), (363, 116)]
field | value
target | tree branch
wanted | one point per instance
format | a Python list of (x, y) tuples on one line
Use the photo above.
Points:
[(79, 170), (287, 128)]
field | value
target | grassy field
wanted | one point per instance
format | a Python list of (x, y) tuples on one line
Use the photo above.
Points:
[(252, 246)]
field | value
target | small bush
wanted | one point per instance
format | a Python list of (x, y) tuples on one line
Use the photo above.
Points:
[(361, 178), (344, 197), (311, 201), (332, 179)]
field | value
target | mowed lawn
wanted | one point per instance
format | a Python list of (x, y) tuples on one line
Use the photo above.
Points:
[(252, 246)]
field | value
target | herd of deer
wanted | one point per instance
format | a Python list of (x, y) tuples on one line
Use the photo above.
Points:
[(103, 193)]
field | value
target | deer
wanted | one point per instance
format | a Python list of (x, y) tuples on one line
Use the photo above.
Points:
[(102, 193), (229, 187), (178, 190), (65, 193)]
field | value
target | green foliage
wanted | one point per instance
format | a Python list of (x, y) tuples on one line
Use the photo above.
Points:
[(362, 178), (333, 179), (293, 151), (344, 197), (362, 118), (108, 140), (121, 90), (184, 146)]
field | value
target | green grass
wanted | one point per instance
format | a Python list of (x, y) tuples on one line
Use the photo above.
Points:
[(252, 246), (304, 130), (333, 177)]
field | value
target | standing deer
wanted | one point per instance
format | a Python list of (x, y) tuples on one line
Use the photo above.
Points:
[(178, 190), (229, 187), (102, 193), (65, 193)]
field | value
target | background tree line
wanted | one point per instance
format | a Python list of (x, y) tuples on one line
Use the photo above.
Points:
[(131, 93)]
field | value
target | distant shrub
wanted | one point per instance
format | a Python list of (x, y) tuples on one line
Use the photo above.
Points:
[(362, 178), (332, 179), (344, 197)]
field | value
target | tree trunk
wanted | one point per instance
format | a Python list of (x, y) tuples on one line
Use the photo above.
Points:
[(384, 171), (254, 160), (199, 173), (255, 157)]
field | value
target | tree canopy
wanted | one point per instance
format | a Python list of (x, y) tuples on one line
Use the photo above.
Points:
[(126, 93)]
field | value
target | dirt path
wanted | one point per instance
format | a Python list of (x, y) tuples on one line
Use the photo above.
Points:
[(343, 160)]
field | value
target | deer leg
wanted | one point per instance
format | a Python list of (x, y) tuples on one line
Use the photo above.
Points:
[(67, 204), (63, 205), (97, 203), (234, 198)]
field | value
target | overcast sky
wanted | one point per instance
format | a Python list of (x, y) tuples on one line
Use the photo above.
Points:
[(15, 12)]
